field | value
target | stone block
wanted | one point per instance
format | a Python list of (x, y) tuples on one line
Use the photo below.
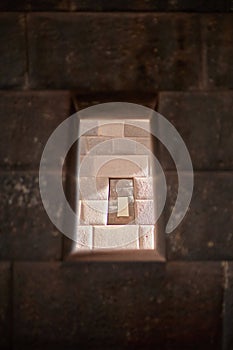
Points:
[(121, 166), (111, 130), (147, 237), (148, 51), (92, 188), (143, 187), (150, 5), (173, 306), (94, 212), (116, 237), (27, 121), (140, 130), (35, 5), (26, 232), (144, 212), (206, 231), (202, 119), (84, 238), (13, 63), (219, 50)]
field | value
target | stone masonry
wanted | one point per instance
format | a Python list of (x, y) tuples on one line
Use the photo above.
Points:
[(58, 57)]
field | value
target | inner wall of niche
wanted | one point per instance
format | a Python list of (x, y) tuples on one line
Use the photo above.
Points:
[(114, 160)]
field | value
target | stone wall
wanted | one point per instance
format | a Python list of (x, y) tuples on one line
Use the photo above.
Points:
[(60, 56)]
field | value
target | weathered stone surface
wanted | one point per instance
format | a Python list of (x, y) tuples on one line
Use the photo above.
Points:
[(228, 308), (147, 237), (194, 293), (94, 212), (139, 130), (206, 231), (13, 50), (5, 305), (144, 212), (120, 5), (143, 187), (119, 306), (91, 144), (34, 5), (26, 232), (124, 52), (116, 237), (84, 239), (118, 166), (93, 188), (109, 130), (81, 102), (204, 121), (219, 50), (151, 5), (27, 121)]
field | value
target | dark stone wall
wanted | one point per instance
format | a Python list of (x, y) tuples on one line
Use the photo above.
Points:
[(175, 56)]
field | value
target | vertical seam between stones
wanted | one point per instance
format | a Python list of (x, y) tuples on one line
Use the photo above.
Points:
[(158, 101), (155, 102)]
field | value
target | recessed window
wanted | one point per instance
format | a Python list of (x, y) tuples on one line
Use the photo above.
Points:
[(115, 191), (121, 202)]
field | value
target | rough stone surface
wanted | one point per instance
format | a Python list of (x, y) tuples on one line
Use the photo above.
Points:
[(96, 145), (94, 212), (143, 188), (34, 5), (151, 5), (137, 131), (27, 120), (204, 121), (147, 237), (26, 232), (193, 315), (13, 50), (219, 50), (125, 146), (125, 305), (5, 305), (114, 236), (146, 99), (130, 52), (120, 5), (92, 188), (84, 238), (228, 308), (115, 130), (121, 167), (144, 212), (123, 52), (206, 231)]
